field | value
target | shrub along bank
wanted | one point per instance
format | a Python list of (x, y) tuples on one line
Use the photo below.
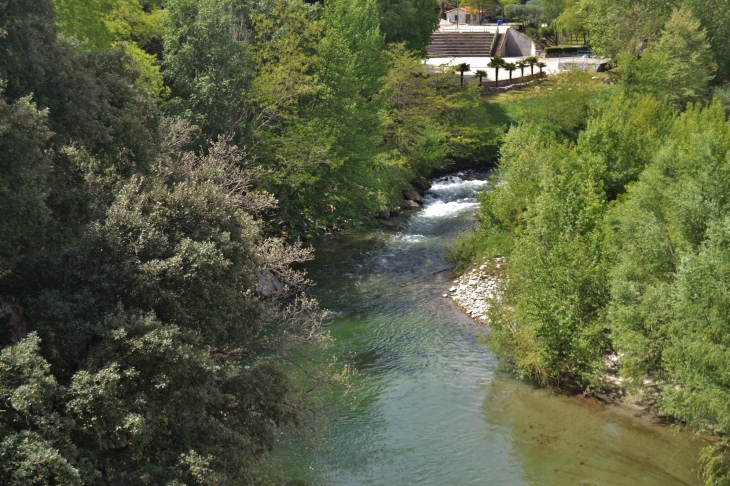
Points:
[(616, 239)]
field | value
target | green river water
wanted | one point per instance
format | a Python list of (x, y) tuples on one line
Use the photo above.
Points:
[(435, 408)]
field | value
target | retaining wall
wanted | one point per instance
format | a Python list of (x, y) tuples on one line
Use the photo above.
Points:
[(518, 44)]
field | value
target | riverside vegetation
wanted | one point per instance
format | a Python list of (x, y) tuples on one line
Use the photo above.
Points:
[(162, 160), (159, 163), (616, 231)]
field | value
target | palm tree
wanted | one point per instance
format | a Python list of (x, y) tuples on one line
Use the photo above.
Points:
[(510, 66), (463, 67), (481, 74), (541, 65), (496, 62), (521, 65), (532, 60)]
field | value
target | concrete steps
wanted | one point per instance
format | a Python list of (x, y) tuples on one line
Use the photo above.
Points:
[(499, 45), (460, 44)]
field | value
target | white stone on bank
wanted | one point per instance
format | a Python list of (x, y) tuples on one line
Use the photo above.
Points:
[(474, 288)]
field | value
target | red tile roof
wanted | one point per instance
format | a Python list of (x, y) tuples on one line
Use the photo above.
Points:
[(465, 9)]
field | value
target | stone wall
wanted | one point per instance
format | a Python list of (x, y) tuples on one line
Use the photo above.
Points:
[(518, 44)]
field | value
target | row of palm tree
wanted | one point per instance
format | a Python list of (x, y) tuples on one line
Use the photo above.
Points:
[(498, 63)]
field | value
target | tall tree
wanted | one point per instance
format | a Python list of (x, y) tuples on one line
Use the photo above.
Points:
[(685, 57), (208, 64), (409, 21), (23, 180)]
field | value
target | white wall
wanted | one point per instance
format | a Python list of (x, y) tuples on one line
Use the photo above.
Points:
[(473, 18), (518, 44)]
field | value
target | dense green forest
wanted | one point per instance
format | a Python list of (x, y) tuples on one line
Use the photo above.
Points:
[(617, 232), (161, 162)]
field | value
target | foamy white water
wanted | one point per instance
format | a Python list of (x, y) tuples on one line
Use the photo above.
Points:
[(452, 195)]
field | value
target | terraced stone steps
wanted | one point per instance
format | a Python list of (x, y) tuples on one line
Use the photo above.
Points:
[(460, 44)]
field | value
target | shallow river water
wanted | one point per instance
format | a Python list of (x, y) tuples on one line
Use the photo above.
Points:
[(435, 409)]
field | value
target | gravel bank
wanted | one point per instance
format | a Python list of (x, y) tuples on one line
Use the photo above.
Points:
[(471, 290)]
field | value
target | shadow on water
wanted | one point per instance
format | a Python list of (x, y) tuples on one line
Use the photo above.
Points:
[(434, 409)]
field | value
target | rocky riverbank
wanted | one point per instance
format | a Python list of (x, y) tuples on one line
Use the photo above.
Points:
[(472, 291)]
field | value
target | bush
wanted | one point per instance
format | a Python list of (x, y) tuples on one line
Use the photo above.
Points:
[(564, 49)]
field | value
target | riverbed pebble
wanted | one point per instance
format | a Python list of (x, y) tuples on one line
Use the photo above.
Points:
[(475, 287)]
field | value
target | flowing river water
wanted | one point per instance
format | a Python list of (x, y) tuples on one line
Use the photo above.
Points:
[(434, 407)]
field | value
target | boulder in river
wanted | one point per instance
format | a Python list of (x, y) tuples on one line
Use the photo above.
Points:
[(410, 204)]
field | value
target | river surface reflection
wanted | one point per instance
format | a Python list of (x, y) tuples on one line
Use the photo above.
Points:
[(435, 409)]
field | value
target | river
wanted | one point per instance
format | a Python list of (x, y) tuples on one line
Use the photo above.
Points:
[(434, 407)]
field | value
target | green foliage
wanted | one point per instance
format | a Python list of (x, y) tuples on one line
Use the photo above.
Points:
[(722, 93), (572, 21), (23, 191), (563, 49), (666, 214), (623, 134), (531, 12), (171, 338), (100, 24), (623, 27), (546, 211), (207, 63), (679, 66), (557, 333), (617, 244), (152, 326), (561, 104), (31, 432), (409, 21), (412, 132), (712, 17)]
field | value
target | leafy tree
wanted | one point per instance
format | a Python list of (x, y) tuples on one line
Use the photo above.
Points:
[(531, 12), (462, 68), (32, 433), (23, 183), (152, 326), (549, 320), (510, 67), (572, 21), (713, 17), (496, 63), (623, 134), (409, 21), (207, 63), (664, 217), (624, 27), (541, 65), (683, 58), (414, 129), (102, 24), (481, 74), (521, 65), (102, 123)]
